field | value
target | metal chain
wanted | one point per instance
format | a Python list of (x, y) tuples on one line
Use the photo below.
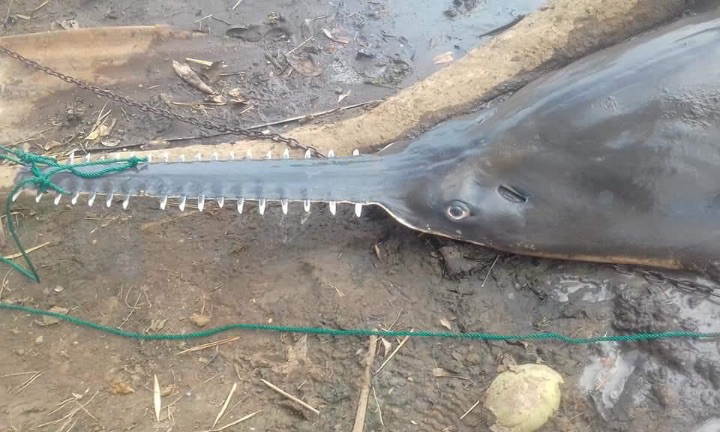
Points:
[(206, 124)]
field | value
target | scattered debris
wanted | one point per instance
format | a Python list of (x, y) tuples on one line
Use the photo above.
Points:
[(470, 410), (51, 320), (446, 323), (210, 345), (400, 345), (236, 422), (443, 58), (189, 76), (289, 396), (365, 389), (157, 398), (200, 320), (334, 38), (121, 388), (225, 405)]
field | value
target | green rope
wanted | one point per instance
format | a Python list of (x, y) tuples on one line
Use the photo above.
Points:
[(358, 332), (42, 182)]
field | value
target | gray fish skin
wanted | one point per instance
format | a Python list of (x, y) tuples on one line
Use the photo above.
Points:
[(614, 158)]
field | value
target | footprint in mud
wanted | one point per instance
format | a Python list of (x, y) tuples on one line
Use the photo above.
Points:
[(257, 33)]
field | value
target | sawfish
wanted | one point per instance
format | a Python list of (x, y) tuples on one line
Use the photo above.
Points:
[(614, 158)]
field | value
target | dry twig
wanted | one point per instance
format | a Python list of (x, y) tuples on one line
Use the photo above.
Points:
[(365, 390), (289, 396)]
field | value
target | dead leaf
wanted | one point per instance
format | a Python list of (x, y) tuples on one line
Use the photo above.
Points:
[(441, 373), (338, 39), (446, 323), (189, 76), (121, 388), (200, 320), (445, 57), (101, 131), (168, 390), (386, 347), (344, 95), (156, 325), (304, 66), (218, 100)]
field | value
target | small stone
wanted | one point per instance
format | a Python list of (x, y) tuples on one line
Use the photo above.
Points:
[(200, 320), (58, 289), (20, 351), (49, 320), (452, 13), (39, 340)]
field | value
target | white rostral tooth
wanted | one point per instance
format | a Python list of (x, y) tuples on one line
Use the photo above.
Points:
[(358, 209), (166, 157), (108, 202), (215, 156), (221, 202), (117, 156), (198, 157), (149, 158), (75, 198), (16, 195), (261, 206), (356, 152), (126, 202), (87, 157), (231, 156), (268, 155), (284, 204), (307, 154), (38, 196), (181, 158), (183, 199), (286, 154), (248, 154), (332, 204), (306, 206), (71, 158), (91, 201), (240, 205), (201, 202), (163, 202), (57, 198)]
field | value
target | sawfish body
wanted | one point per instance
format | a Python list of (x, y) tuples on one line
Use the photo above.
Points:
[(614, 158)]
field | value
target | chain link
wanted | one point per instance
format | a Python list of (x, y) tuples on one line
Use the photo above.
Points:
[(206, 124)]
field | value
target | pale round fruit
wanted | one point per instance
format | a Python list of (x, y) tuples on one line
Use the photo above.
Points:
[(525, 398)]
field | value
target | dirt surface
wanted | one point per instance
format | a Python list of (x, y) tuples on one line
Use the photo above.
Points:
[(148, 271)]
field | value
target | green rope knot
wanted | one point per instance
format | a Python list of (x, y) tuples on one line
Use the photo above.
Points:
[(43, 183)]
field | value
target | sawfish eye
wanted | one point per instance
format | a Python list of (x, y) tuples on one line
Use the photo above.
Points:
[(458, 210)]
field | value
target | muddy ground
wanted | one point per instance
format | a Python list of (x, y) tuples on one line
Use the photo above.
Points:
[(148, 271)]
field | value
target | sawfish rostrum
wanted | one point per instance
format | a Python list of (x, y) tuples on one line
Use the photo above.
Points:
[(614, 158)]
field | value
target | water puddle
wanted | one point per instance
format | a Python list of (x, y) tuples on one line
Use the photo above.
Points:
[(592, 291)]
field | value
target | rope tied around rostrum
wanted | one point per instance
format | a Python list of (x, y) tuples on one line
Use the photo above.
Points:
[(42, 180)]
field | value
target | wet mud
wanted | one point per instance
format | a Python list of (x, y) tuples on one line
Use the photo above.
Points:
[(150, 271)]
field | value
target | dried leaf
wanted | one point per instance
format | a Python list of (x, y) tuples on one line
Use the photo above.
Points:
[(157, 399), (121, 388), (445, 57), (441, 373), (168, 390), (156, 324), (338, 39), (386, 347), (101, 131), (343, 96), (217, 100), (305, 66), (189, 76), (446, 323)]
